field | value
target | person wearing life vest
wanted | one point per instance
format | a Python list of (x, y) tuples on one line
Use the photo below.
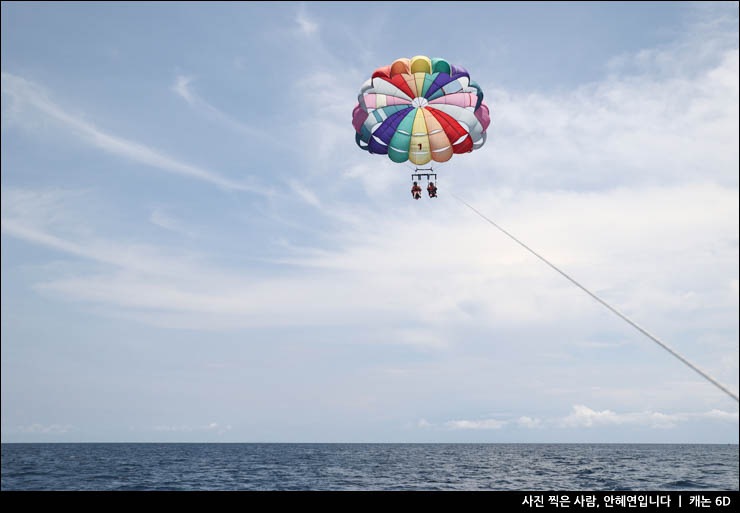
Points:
[(432, 190), (416, 191)]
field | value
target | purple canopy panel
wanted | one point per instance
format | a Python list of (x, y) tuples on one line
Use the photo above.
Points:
[(458, 70), (440, 81)]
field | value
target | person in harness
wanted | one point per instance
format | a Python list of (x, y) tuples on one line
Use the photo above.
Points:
[(432, 190), (416, 191)]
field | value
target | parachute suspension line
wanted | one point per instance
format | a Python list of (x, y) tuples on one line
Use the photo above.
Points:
[(614, 310)]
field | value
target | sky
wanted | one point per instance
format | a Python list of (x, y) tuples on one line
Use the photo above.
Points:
[(195, 250)]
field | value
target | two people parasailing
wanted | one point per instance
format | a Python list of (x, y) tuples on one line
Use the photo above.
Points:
[(416, 190)]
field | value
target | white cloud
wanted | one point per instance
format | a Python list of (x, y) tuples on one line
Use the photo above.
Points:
[(423, 423), (307, 25), (623, 130), (476, 424), (48, 218), (387, 263), (629, 185), (305, 193), (41, 429), (721, 415), (160, 218), (213, 427), (327, 96), (529, 422), (182, 88), (378, 179), (583, 416), (25, 93)]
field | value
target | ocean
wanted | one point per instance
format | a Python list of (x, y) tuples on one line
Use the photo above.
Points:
[(296, 466)]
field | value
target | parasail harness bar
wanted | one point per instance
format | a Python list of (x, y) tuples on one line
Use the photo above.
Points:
[(417, 176)]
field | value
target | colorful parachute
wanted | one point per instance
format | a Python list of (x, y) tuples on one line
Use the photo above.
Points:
[(420, 109)]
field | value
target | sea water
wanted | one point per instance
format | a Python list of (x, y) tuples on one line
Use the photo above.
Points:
[(290, 466)]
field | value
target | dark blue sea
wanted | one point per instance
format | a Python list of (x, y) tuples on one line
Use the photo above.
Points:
[(600, 467)]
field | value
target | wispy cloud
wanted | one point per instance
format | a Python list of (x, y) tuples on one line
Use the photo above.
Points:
[(26, 93), (29, 234), (182, 87), (305, 193), (159, 282), (391, 262), (160, 218), (609, 238), (43, 218), (325, 97), (677, 126), (306, 24)]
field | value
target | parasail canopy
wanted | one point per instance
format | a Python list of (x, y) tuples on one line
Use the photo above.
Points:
[(420, 109)]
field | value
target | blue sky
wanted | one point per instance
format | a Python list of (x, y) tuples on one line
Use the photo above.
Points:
[(194, 249)]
